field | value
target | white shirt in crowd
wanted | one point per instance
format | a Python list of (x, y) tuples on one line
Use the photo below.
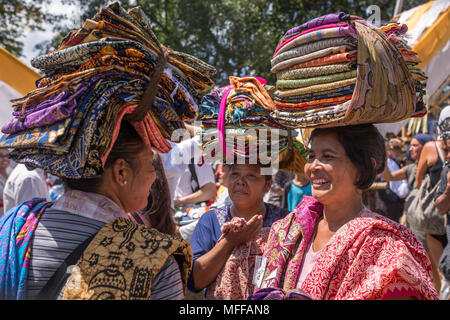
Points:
[(177, 170), (186, 184), (23, 185), (400, 188)]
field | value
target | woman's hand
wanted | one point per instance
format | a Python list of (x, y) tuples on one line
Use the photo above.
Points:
[(247, 233)]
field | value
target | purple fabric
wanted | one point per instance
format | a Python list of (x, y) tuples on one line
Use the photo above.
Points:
[(45, 104), (46, 116), (51, 110), (278, 294), (348, 29), (326, 19)]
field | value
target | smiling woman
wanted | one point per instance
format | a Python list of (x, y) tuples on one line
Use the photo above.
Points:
[(334, 231)]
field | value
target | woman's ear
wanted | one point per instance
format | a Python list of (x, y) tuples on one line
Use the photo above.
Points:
[(121, 172)]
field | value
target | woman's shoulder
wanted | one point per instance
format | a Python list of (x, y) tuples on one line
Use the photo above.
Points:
[(385, 229)]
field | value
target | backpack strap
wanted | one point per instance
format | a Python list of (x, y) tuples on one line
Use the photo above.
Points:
[(193, 172), (441, 156), (51, 290)]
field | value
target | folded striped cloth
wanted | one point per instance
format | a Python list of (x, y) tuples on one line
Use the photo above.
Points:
[(339, 69), (237, 127)]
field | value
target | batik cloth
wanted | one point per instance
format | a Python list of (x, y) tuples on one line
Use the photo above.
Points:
[(17, 227), (368, 258), (122, 260)]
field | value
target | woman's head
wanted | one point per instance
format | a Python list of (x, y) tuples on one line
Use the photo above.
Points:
[(128, 172), (246, 185), (394, 148), (344, 160), (417, 143)]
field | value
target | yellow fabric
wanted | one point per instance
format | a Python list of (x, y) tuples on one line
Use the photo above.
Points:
[(17, 74), (122, 260), (418, 14), (433, 39)]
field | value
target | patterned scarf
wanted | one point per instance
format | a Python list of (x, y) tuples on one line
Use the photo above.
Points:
[(368, 258), (17, 227)]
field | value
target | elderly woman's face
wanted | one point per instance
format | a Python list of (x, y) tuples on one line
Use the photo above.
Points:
[(246, 184), (143, 176), (331, 172)]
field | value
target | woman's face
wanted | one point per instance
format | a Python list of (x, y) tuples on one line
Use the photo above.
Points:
[(415, 148), (330, 171), (135, 196), (4, 160), (246, 185)]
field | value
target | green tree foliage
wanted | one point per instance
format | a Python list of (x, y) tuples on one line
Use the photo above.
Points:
[(19, 16), (238, 37)]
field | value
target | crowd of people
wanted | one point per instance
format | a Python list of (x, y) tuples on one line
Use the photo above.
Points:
[(101, 188)]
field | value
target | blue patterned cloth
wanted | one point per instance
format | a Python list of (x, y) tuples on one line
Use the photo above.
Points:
[(17, 227)]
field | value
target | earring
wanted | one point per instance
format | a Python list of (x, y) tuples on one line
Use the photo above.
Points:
[(124, 182)]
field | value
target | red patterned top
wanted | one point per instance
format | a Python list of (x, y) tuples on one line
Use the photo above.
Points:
[(369, 258)]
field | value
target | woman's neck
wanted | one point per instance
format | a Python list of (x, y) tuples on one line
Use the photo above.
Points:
[(338, 214), (247, 212)]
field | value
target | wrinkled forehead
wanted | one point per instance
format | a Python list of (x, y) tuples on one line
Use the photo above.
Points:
[(244, 168)]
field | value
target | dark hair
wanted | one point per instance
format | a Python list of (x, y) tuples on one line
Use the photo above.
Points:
[(158, 209), (127, 145), (361, 143)]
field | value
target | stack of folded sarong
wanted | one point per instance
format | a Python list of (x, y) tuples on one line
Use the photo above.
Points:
[(237, 126), (315, 64), (325, 66), (112, 69)]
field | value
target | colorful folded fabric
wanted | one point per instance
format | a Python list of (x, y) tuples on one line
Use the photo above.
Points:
[(112, 69), (237, 127), (340, 70)]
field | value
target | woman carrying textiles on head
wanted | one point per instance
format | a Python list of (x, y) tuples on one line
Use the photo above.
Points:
[(228, 240), (332, 247), (94, 121)]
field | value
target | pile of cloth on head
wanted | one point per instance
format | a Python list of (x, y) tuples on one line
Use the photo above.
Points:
[(112, 69), (236, 127), (339, 69)]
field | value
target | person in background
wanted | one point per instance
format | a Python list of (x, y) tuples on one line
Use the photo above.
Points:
[(275, 194), (442, 201), (431, 162), (23, 185), (196, 183), (390, 201), (222, 197), (295, 190), (4, 164)]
